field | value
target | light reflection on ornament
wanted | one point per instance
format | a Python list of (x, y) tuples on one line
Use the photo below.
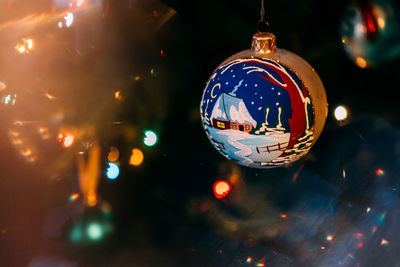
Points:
[(150, 138), (118, 95), (66, 139), (26, 47), (341, 113), (136, 158), (221, 189), (9, 99), (3, 86), (112, 171)]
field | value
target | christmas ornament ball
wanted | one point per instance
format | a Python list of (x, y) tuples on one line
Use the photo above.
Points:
[(264, 107)]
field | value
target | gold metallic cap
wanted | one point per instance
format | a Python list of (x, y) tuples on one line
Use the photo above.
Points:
[(263, 42)]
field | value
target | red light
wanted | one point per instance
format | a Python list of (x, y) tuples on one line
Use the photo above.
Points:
[(221, 189), (360, 244)]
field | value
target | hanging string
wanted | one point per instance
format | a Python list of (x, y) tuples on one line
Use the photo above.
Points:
[(263, 25)]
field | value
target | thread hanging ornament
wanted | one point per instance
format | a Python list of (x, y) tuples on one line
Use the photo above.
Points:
[(264, 107)]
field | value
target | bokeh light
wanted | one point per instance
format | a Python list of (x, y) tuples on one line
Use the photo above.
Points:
[(113, 154), (136, 157), (341, 113), (221, 189), (3, 86), (112, 171), (26, 47), (150, 138), (66, 139), (95, 231)]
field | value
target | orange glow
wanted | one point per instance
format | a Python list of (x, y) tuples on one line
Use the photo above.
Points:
[(379, 172), (118, 95), (361, 62), (88, 174), (27, 152), (26, 47), (329, 237), (249, 259), (17, 141), (136, 157), (260, 264), (73, 197), (113, 155), (67, 139), (221, 189), (283, 216), (323, 247)]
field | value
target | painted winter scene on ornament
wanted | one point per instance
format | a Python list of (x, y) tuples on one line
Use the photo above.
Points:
[(257, 112)]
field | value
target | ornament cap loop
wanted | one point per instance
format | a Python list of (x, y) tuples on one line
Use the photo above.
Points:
[(263, 42)]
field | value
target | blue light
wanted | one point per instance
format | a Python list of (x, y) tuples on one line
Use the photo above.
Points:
[(112, 171)]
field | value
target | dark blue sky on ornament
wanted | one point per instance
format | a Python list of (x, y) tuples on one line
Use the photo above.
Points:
[(242, 80)]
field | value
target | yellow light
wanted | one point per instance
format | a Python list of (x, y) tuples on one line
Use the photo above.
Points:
[(3, 86), (68, 140), (26, 47), (341, 113), (27, 152), (118, 95), (17, 141), (329, 237), (136, 157), (361, 62), (20, 48)]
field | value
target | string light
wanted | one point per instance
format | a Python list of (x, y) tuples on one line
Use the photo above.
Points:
[(221, 189)]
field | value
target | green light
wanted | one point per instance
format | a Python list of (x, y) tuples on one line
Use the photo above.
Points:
[(95, 231), (150, 138)]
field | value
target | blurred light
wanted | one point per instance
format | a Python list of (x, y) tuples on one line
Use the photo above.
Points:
[(88, 174), (73, 197), (384, 242), (360, 235), (152, 72), (66, 139), (329, 237), (137, 78), (14, 133), (118, 95), (17, 141), (69, 19), (249, 259), (323, 247), (26, 47), (374, 229), (341, 113), (81, 3), (136, 157), (368, 209), (9, 99), (112, 171), (360, 244), (221, 189), (361, 62), (283, 216), (3, 86), (261, 264), (49, 96), (113, 155), (150, 138), (379, 172), (95, 231), (26, 152)]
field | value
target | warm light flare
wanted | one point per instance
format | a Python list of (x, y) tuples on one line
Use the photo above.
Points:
[(88, 174), (136, 157), (26, 47), (361, 62), (66, 139), (221, 189), (341, 113)]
